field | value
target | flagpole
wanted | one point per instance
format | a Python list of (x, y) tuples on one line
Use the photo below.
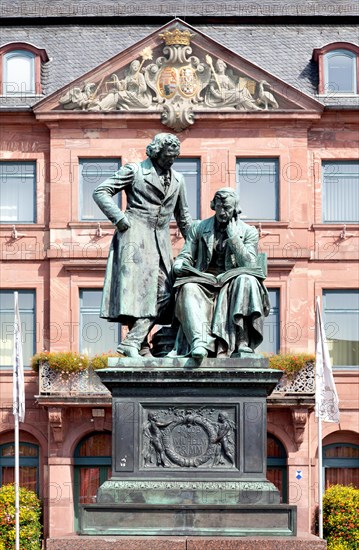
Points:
[(320, 438), (320, 478), (326, 399), (17, 482), (18, 409)]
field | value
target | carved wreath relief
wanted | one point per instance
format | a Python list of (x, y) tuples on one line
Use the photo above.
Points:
[(188, 438), (176, 84)]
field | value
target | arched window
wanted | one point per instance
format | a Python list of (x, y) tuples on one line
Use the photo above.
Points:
[(20, 69), (19, 73), (92, 460), (277, 466), (341, 464), (28, 461), (340, 72), (338, 68)]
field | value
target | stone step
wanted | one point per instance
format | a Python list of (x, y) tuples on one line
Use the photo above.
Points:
[(308, 542)]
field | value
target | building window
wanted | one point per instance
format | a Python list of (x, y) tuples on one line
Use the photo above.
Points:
[(271, 329), (17, 190), (340, 72), (258, 188), (340, 463), (28, 462), (338, 68), (92, 468), (341, 318), (190, 168), (21, 69), (92, 173), (277, 466), (97, 335), (19, 73), (340, 191), (27, 315)]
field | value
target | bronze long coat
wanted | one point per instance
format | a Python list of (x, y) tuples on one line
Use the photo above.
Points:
[(132, 272), (234, 300)]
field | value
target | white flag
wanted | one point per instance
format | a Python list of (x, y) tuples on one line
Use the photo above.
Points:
[(18, 372), (326, 397)]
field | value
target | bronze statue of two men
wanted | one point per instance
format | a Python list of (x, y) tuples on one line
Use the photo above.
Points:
[(213, 291)]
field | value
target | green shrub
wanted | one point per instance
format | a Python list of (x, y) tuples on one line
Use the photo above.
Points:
[(30, 526), (341, 517), (68, 362), (290, 363), (338, 545), (100, 361), (61, 361)]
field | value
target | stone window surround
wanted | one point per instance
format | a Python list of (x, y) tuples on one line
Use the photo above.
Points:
[(319, 57), (40, 56)]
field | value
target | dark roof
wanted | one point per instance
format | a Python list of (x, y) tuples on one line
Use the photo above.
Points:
[(181, 8), (283, 50)]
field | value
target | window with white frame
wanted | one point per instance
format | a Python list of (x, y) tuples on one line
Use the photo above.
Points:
[(97, 335), (341, 319), (17, 191), (190, 168), (18, 73), (258, 188), (92, 172), (271, 328), (28, 326), (340, 191), (340, 72)]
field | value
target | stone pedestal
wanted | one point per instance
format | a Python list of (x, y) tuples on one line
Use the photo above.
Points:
[(189, 451)]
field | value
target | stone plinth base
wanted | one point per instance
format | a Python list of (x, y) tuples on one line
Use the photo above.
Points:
[(186, 543), (189, 451), (195, 519)]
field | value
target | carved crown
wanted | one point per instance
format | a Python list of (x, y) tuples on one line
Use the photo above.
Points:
[(177, 37)]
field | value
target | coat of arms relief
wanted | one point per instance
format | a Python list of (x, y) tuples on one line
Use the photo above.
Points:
[(189, 438), (175, 84)]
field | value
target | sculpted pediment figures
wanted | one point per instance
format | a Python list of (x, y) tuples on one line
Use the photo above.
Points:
[(179, 75)]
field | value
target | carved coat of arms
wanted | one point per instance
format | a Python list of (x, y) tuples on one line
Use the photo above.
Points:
[(176, 84), (188, 438)]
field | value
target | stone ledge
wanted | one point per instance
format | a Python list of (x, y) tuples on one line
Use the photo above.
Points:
[(189, 520), (257, 543), (127, 374), (116, 543), (213, 492), (185, 543), (251, 361)]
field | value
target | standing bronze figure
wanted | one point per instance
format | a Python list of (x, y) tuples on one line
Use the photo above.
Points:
[(138, 286)]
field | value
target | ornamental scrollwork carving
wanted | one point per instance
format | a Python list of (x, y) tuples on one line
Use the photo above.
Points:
[(55, 415), (175, 84), (299, 417), (189, 438)]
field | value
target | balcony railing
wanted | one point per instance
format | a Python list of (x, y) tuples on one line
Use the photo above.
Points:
[(302, 383), (88, 382)]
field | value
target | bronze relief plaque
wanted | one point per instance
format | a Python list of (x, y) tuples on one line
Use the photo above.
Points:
[(189, 438)]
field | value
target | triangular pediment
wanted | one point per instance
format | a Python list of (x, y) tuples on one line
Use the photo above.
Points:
[(180, 74)]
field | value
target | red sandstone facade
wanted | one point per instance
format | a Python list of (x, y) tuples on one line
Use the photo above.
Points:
[(60, 254)]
